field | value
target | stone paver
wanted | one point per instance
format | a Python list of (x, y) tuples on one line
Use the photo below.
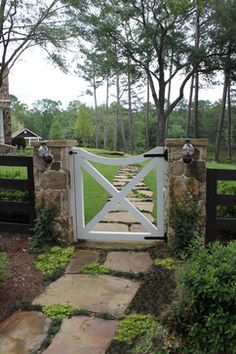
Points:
[(101, 293), (80, 259), (23, 332), (116, 227), (142, 206), (137, 228), (125, 217), (134, 262), (146, 193), (83, 335)]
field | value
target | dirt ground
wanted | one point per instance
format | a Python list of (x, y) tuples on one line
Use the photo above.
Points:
[(25, 282)]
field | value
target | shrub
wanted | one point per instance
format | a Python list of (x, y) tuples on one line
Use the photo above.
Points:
[(53, 260), (183, 219), (207, 315), (13, 195), (95, 269), (44, 231), (3, 266), (59, 311)]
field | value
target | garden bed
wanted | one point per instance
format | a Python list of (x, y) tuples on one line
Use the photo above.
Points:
[(25, 282)]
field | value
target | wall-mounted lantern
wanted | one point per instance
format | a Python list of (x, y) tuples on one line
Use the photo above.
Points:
[(44, 153), (187, 152)]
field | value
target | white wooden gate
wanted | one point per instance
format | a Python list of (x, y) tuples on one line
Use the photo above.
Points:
[(80, 160)]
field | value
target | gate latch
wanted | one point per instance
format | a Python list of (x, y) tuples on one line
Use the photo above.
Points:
[(165, 155)]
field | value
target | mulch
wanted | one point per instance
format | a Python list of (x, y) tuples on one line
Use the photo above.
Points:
[(25, 282)]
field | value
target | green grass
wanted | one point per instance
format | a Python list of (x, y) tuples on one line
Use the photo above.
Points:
[(13, 172), (150, 181), (221, 166)]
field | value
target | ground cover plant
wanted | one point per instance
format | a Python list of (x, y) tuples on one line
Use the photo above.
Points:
[(3, 267), (52, 263), (59, 311), (95, 269)]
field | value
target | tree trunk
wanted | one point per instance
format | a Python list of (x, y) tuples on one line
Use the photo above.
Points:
[(96, 111), (190, 101), (221, 118), (196, 105), (169, 91), (229, 123), (130, 115), (147, 115), (119, 116), (106, 115)]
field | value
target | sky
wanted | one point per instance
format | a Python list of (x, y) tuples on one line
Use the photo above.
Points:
[(33, 77)]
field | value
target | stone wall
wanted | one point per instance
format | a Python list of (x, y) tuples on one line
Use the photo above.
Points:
[(6, 149), (186, 182), (52, 183)]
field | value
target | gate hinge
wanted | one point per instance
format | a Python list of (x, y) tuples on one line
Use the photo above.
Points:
[(72, 152), (165, 155)]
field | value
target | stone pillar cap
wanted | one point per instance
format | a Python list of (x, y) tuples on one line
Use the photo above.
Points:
[(180, 142), (55, 143)]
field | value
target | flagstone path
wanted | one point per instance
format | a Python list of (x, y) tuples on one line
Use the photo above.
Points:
[(24, 332)]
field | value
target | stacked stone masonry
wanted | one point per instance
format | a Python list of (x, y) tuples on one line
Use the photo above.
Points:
[(52, 183), (186, 179)]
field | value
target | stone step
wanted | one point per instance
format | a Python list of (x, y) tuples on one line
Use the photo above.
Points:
[(102, 293), (116, 227), (128, 245), (83, 335)]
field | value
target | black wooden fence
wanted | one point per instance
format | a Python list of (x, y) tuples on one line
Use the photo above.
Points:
[(18, 216), (217, 225)]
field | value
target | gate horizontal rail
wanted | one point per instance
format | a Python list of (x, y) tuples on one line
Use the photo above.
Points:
[(18, 216), (213, 223)]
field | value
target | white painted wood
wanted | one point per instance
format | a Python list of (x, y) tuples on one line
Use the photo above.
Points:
[(104, 236), (73, 204), (124, 161), (80, 161)]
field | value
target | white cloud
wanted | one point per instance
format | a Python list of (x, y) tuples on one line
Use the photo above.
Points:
[(33, 77)]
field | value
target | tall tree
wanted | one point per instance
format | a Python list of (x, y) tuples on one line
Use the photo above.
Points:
[(24, 24)]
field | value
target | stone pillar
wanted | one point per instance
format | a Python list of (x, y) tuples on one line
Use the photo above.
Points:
[(52, 183), (5, 107), (185, 183)]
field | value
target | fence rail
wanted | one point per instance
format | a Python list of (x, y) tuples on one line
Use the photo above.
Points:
[(215, 224), (18, 216)]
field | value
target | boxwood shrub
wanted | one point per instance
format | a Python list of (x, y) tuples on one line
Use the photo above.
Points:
[(206, 317)]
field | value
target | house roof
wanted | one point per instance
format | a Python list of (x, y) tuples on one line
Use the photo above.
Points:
[(26, 133)]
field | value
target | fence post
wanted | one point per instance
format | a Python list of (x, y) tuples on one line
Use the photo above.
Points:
[(186, 182), (52, 183)]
